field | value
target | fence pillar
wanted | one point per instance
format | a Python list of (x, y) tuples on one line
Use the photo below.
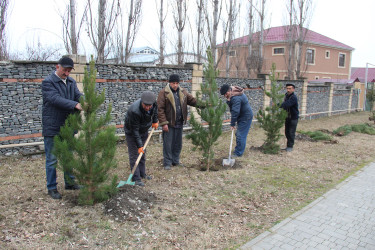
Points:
[(350, 99), (267, 87), (304, 99), (330, 100), (79, 69), (196, 81)]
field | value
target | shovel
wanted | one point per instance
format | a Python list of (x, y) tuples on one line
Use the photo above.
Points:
[(229, 162), (129, 181)]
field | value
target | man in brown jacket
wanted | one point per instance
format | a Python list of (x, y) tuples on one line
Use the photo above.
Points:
[(172, 115)]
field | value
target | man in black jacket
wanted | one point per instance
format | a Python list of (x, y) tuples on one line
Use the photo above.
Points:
[(60, 98), (141, 115), (290, 104)]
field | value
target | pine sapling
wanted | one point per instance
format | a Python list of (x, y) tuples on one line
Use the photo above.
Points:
[(273, 117), (212, 111)]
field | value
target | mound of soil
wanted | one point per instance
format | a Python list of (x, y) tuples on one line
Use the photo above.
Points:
[(130, 203)]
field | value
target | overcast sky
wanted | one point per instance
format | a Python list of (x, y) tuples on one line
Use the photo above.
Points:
[(348, 21)]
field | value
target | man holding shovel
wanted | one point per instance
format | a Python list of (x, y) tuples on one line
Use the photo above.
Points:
[(241, 114), (141, 115)]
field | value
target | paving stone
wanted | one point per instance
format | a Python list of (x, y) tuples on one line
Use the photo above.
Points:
[(346, 223)]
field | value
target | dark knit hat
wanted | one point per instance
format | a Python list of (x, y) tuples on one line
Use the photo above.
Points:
[(290, 84), (66, 62), (224, 89), (148, 97), (174, 78)]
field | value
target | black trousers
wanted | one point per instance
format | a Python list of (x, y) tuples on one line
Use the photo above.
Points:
[(172, 146), (290, 131), (140, 172)]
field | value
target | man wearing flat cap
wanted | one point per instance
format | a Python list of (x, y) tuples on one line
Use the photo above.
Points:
[(241, 115), (290, 104), (141, 115), (172, 112), (60, 99)]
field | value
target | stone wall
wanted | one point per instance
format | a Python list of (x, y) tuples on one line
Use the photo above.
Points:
[(341, 99), (21, 100), (318, 100)]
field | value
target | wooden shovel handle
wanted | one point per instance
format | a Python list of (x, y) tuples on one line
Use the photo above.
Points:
[(144, 148)]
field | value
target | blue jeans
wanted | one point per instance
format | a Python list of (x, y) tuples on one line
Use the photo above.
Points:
[(51, 163), (243, 128)]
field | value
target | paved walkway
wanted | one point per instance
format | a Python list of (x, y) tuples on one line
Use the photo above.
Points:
[(343, 218)]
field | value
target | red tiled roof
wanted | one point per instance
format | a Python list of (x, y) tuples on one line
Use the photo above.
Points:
[(279, 34), (361, 72)]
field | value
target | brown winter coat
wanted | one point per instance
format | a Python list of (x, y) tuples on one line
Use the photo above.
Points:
[(167, 106)]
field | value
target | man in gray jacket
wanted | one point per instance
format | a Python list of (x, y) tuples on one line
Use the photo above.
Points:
[(60, 99)]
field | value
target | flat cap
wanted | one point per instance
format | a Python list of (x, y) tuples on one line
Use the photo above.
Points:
[(174, 78), (224, 89), (290, 84), (148, 97), (66, 62)]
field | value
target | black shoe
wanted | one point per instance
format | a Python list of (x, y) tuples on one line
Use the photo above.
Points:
[(147, 177), (54, 194), (73, 187), (289, 149), (167, 167), (139, 183)]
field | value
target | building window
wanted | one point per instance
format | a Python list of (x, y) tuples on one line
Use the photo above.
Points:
[(328, 54), (146, 51), (310, 56), (278, 51), (342, 60), (232, 53)]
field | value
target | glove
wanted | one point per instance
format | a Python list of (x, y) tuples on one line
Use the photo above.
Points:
[(155, 125), (140, 150)]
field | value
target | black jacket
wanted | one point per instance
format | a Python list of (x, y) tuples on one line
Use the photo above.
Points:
[(138, 121), (59, 101), (290, 104)]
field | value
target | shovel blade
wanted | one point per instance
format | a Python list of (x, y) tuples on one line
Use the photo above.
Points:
[(228, 162), (128, 182)]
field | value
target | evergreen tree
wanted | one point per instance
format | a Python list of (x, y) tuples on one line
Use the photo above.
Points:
[(90, 155), (273, 117), (212, 112)]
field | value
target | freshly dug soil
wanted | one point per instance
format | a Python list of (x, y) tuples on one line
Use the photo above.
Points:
[(130, 203)]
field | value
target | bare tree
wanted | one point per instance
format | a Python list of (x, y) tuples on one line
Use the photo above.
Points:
[(70, 33), (200, 23), (179, 16), (261, 36), (162, 18), (212, 26), (134, 21), (291, 40), (303, 16), (250, 38), (99, 30), (40, 52), (4, 4), (232, 16)]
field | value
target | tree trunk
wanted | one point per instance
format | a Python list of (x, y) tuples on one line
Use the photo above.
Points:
[(73, 36), (250, 39), (161, 38), (101, 30), (4, 4)]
